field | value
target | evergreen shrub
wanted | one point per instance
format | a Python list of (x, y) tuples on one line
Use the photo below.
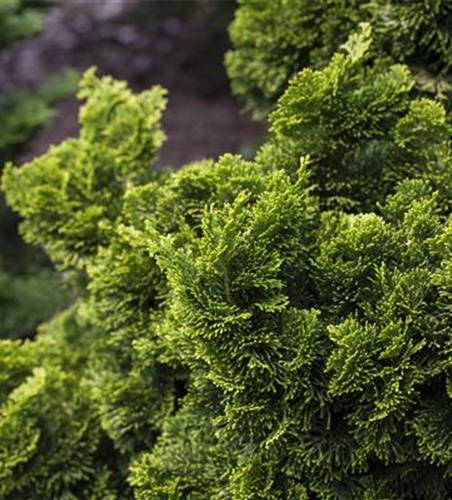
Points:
[(245, 330)]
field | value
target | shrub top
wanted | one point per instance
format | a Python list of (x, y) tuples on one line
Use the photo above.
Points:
[(274, 40)]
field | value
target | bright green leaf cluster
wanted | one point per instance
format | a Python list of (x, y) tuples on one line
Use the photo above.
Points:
[(74, 193)]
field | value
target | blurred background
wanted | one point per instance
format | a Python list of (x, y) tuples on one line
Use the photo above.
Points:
[(177, 43), (44, 47)]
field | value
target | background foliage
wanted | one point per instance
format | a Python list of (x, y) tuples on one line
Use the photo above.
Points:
[(30, 292)]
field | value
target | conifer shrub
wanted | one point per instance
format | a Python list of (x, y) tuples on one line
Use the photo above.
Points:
[(245, 330), (272, 41)]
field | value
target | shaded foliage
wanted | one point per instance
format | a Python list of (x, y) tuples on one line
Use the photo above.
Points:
[(30, 292)]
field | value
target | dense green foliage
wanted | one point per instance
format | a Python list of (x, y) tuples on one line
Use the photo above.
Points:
[(245, 330), (51, 442), (30, 291), (360, 128), (48, 387), (17, 21), (272, 41)]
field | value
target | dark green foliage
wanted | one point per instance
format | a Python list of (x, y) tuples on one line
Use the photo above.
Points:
[(272, 41), (30, 291), (23, 113), (27, 300), (276, 329), (188, 461), (17, 21)]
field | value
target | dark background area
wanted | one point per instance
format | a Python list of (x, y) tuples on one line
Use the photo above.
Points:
[(179, 44)]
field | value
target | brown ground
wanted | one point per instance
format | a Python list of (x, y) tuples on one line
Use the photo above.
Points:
[(182, 50)]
